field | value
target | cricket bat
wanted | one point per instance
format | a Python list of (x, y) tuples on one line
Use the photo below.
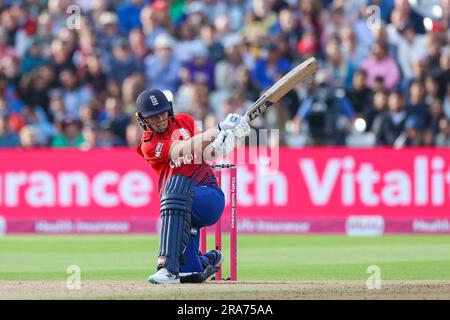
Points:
[(281, 87)]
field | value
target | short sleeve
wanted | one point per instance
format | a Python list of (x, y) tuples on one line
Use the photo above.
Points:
[(156, 152), (190, 122)]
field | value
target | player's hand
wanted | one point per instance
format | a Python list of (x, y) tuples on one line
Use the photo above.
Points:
[(242, 129), (230, 122), (237, 124), (224, 142)]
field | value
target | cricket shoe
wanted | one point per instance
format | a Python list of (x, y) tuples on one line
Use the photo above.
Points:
[(210, 261), (213, 258), (163, 276)]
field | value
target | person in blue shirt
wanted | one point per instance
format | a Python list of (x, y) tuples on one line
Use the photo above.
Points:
[(8, 139), (129, 13), (271, 68)]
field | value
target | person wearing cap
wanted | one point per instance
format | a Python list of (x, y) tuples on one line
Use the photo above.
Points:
[(178, 152)]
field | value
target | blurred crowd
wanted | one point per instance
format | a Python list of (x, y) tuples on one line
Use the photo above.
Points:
[(72, 81)]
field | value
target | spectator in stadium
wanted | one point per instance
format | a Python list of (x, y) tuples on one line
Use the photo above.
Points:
[(287, 27), (378, 106), (446, 103), (417, 106), (186, 42), (311, 15), (10, 67), (27, 137), (163, 68), (107, 31), (258, 21), (6, 50), (138, 44), (9, 92), (403, 7), (131, 87), (34, 90), (411, 47), (57, 12), (435, 44), (200, 69), (33, 58), (434, 116), (335, 21), (117, 119), (382, 36), (133, 135), (37, 118), (270, 67), (308, 46), (222, 30), (351, 49), (8, 139), (341, 70), (87, 48), (431, 88), (389, 125), (444, 72), (411, 137), (95, 78), (153, 24), (57, 110), (70, 135), (200, 105), (90, 137), (359, 95), (123, 63), (61, 57), (88, 115), (74, 94), (128, 13), (379, 64), (106, 138), (43, 36), (419, 69), (443, 137), (428, 138), (215, 47), (226, 69), (69, 38), (245, 81)]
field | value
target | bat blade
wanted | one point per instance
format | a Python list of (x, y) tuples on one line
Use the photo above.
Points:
[(282, 86)]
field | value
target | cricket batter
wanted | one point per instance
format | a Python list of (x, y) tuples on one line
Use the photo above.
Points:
[(190, 196)]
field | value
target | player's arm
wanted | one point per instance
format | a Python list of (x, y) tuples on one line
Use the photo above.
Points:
[(195, 145), (213, 142)]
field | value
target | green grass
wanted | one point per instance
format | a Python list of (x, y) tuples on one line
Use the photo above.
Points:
[(260, 257)]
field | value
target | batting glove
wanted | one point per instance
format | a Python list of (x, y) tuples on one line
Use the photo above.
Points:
[(224, 142), (237, 124), (242, 129)]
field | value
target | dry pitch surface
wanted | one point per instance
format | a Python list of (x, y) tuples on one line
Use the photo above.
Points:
[(298, 290)]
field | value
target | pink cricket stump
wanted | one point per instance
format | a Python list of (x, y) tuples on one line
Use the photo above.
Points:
[(218, 228), (233, 225)]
